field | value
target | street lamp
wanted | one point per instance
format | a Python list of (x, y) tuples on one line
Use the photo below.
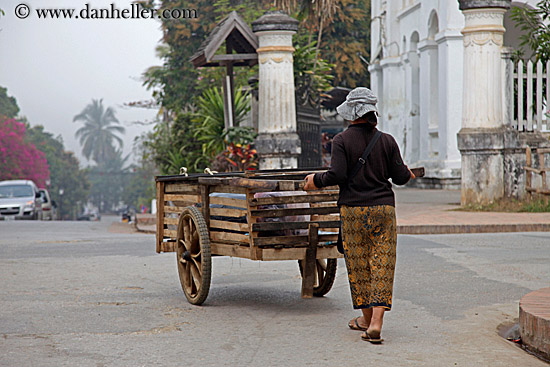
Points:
[(61, 191)]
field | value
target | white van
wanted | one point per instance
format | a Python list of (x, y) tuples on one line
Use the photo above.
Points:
[(20, 199)]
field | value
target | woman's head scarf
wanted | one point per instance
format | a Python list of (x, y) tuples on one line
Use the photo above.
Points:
[(358, 102)]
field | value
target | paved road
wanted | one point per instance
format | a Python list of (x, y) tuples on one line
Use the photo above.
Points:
[(75, 294)]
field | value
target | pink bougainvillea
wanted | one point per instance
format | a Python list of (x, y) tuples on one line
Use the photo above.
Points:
[(18, 158)]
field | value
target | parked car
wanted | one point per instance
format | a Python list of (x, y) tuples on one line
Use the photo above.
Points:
[(91, 215), (20, 199), (47, 205), (83, 216)]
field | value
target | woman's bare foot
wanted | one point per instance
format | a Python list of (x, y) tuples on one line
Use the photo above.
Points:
[(373, 333), (358, 323)]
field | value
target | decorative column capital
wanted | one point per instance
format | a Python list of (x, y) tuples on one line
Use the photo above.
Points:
[(275, 21), (477, 4)]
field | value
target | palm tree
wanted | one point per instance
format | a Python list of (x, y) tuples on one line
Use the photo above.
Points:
[(99, 132)]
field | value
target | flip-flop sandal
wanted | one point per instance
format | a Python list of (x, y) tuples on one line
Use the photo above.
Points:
[(354, 325), (374, 339)]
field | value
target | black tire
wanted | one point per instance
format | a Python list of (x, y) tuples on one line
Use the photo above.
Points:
[(193, 256), (325, 271)]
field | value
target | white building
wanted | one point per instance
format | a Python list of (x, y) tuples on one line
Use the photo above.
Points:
[(417, 72)]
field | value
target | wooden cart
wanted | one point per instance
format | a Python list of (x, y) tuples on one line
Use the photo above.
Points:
[(259, 215)]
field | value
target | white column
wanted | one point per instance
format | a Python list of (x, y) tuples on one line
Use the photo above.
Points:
[(277, 109), (414, 106), (377, 86), (391, 99), (483, 84), (482, 139), (450, 101), (407, 106), (428, 95), (277, 144)]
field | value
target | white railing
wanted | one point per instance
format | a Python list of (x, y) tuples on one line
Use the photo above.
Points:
[(528, 94)]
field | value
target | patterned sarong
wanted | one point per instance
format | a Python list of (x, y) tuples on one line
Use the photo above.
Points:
[(370, 240)]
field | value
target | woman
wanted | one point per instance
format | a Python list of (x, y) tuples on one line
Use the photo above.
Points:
[(367, 208)]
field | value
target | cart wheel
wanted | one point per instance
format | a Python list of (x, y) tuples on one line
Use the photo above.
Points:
[(325, 273), (193, 255)]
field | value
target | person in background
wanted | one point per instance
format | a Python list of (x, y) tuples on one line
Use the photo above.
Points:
[(367, 208)]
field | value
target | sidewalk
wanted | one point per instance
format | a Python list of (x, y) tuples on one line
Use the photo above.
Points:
[(424, 211)]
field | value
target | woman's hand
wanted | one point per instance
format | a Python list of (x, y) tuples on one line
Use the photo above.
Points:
[(310, 185)]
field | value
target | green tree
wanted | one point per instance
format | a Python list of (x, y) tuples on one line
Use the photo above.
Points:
[(339, 29), (139, 186), (315, 16), (171, 83), (65, 173), (107, 181), (172, 145), (8, 105), (533, 22), (343, 36), (175, 82), (99, 132), (346, 43), (312, 75)]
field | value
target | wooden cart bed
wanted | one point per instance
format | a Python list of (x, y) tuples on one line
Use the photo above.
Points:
[(260, 215)]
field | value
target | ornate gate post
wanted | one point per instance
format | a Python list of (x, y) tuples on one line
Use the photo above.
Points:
[(481, 140), (278, 144)]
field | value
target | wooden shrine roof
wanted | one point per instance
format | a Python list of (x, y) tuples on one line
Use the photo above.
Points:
[(239, 38)]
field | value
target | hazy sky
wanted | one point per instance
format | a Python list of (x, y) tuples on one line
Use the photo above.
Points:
[(54, 68)]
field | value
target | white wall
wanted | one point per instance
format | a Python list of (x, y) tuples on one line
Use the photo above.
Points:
[(420, 84), (421, 94)]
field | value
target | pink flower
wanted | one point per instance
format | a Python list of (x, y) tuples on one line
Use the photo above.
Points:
[(18, 158)]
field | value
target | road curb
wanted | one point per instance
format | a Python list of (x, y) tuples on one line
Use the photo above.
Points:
[(148, 231), (534, 321), (471, 228)]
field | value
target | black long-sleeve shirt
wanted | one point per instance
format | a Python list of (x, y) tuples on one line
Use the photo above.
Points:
[(371, 185)]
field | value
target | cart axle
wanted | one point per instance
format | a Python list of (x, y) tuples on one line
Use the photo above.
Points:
[(186, 256)]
